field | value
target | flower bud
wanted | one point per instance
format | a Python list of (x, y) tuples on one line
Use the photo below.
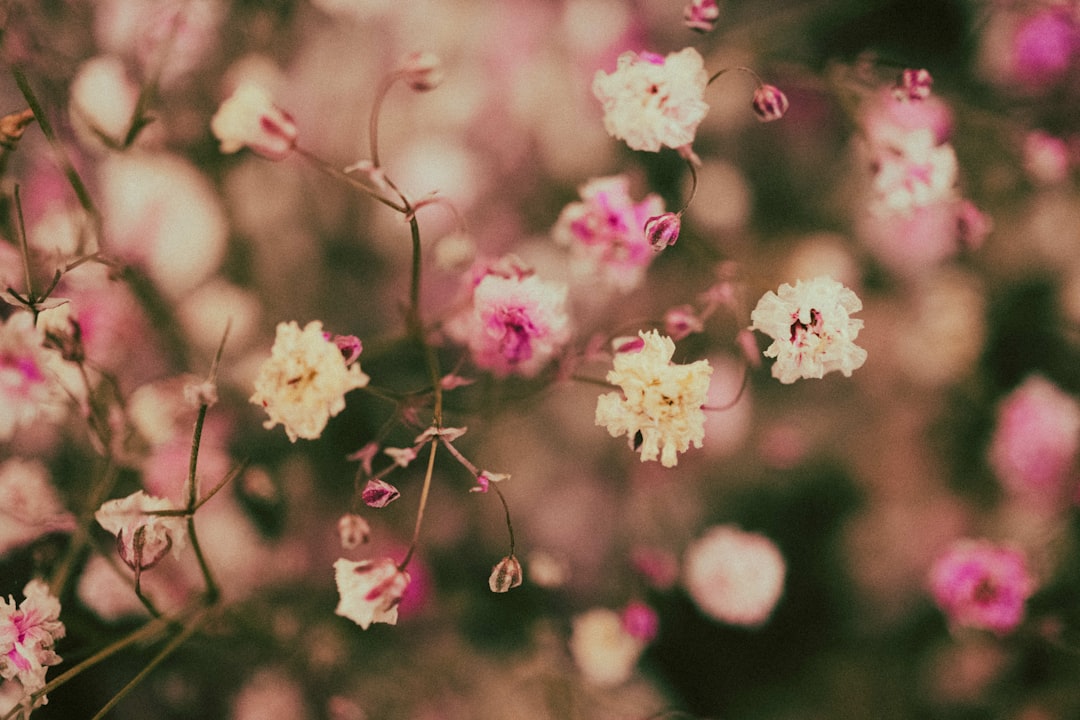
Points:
[(507, 574), (640, 621), (701, 15), (353, 530), (379, 493), (769, 103), (682, 321), (143, 550), (249, 118), (423, 71), (662, 230), (913, 85)]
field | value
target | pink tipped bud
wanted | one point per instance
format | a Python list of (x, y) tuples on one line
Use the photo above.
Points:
[(662, 230), (627, 344), (913, 85), (143, 550), (769, 103), (350, 347), (507, 574), (423, 71), (379, 494), (701, 15), (353, 530), (249, 118)]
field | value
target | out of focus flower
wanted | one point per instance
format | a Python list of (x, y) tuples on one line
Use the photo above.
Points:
[(605, 231), (1037, 436), (981, 585), (270, 695), (660, 568), (659, 408), (63, 332), (812, 329), (142, 538), (28, 386), (423, 71), (303, 383), (652, 101), (353, 530), (701, 15), (913, 85), (103, 99), (249, 118), (29, 504), (734, 576), (603, 650), (1044, 46), (682, 321), (369, 590), (662, 230), (27, 635), (515, 324), (769, 103), (505, 575), (915, 173), (641, 621), (1046, 158)]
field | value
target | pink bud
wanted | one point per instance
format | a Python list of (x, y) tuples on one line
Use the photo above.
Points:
[(379, 493), (701, 15), (353, 530), (365, 455), (144, 550), (507, 574), (914, 85), (769, 103), (423, 71), (350, 347), (628, 343), (662, 230), (682, 321), (484, 480), (973, 225), (640, 621)]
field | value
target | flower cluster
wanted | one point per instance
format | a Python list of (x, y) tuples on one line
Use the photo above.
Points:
[(606, 231), (812, 329), (28, 633), (303, 383), (981, 585), (659, 406), (652, 101)]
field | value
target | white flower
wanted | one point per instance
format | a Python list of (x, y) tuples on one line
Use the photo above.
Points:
[(602, 649), (29, 504), (369, 590), (249, 118), (651, 101), (811, 327), (27, 635), (914, 172), (141, 537), (660, 401), (303, 383), (734, 576)]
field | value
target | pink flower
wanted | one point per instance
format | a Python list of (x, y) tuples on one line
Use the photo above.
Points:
[(515, 324), (605, 231), (249, 118), (701, 15), (652, 101), (28, 386), (1037, 436), (27, 635), (769, 103), (662, 230), (734, 576), (379, 493), (1044, 45), (370, 590), (980, 585), (640, 621)]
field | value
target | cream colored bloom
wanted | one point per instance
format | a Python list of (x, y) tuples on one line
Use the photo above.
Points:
[(303, 383), (811, 327), (249, 118), (660, 401), (142, 537), (652, 101), (604, 652), (734, 576), (370, 590)]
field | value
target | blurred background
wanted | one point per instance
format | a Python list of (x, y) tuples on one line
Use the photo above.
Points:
[(859, 482)]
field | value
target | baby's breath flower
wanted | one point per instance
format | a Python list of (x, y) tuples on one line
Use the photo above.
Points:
[(249, 118), (701, 15), (378, 493), (423, 71), (604, 652), (353, 530), (811, 327), (734, 576), (652, 101), (981, 585), (660, 403), (303, 383), (369, 590), (27, 635), (505, 575), (769, 103), (142, 538), (662, 230), (28, 386)]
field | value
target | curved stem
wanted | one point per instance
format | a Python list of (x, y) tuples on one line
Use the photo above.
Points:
[(376, 108), (506, 511), (739, 68)]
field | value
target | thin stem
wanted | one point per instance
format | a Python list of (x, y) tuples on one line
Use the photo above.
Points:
[(190, 629), (734, 401), (376, 108), (506, 510), (24, 247), (740, 68), (423, 506), (693, 186), (72, 175), (592, 381), (338, 174), (459, 457), (212, 592)]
